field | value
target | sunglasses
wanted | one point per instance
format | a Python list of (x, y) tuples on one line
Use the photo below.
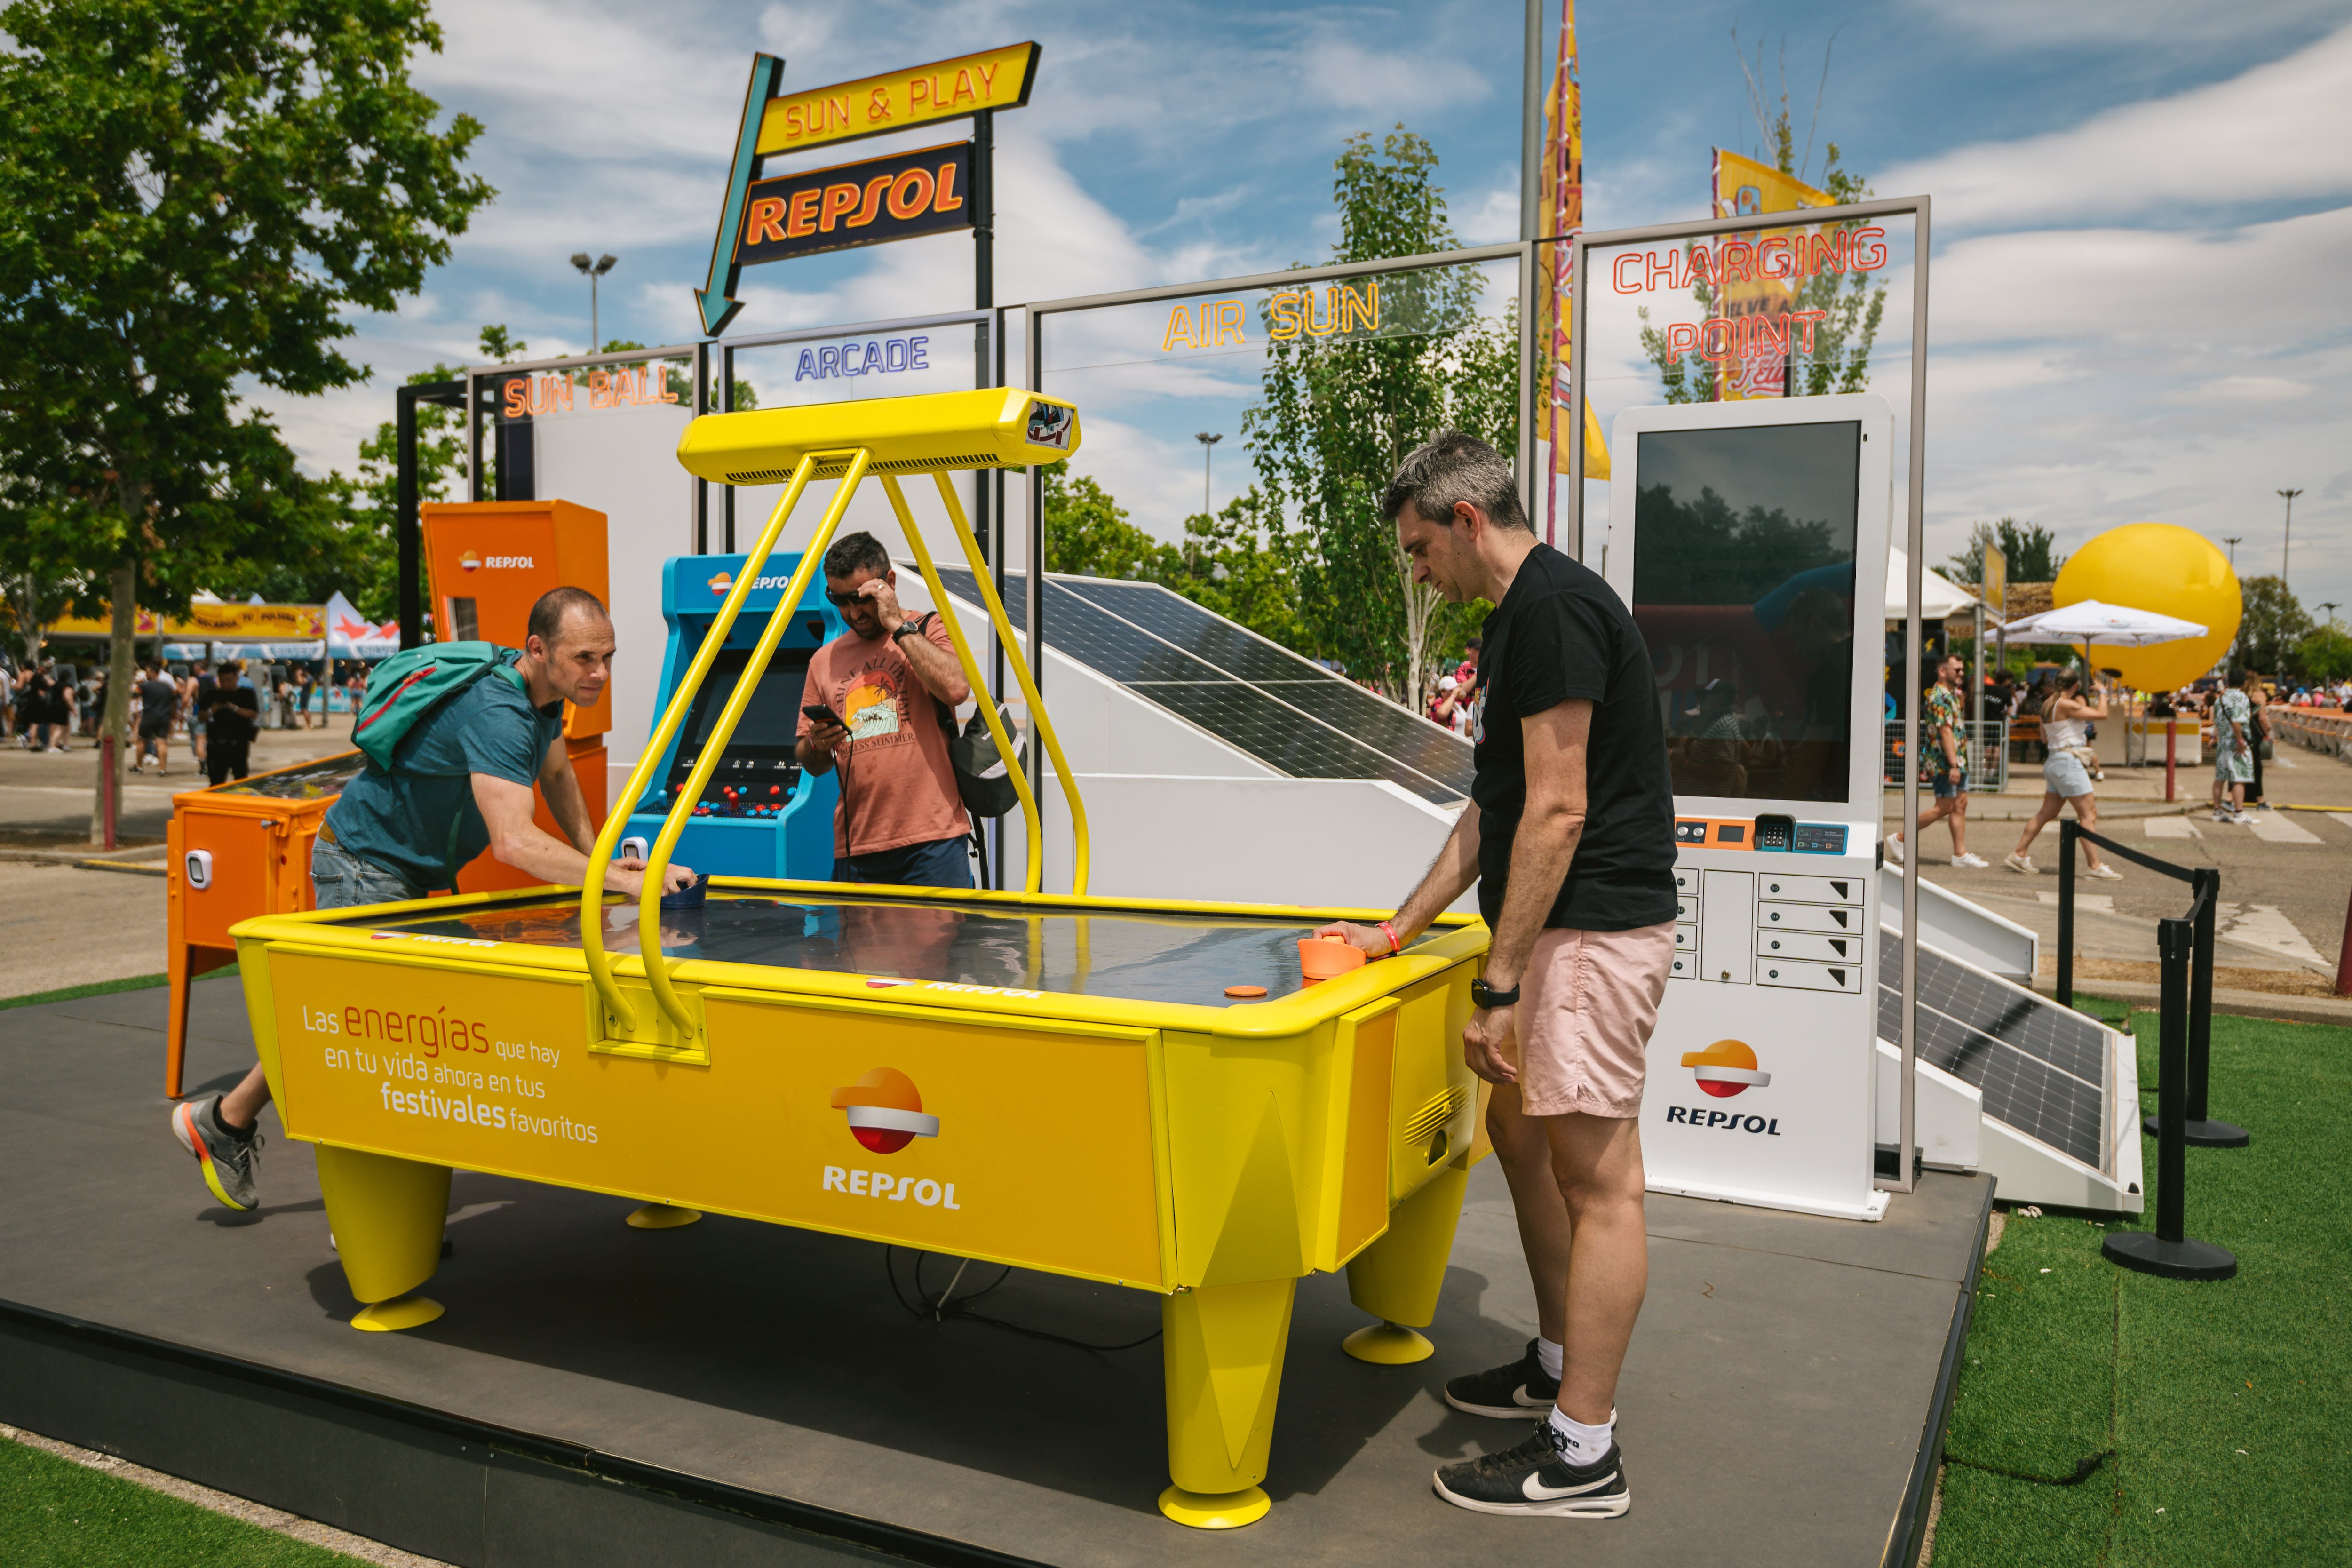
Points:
[(841, 601)]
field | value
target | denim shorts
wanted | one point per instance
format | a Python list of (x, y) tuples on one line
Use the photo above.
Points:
[(1948, 781), (2066, 774), (942, 863), (341, 881)]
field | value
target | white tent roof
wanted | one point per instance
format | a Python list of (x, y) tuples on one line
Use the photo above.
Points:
[(1939, 595)]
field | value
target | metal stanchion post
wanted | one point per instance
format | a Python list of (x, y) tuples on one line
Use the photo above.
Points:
[(2200, 1129), (2171, 750), (2167, 1252), (2066, 831)]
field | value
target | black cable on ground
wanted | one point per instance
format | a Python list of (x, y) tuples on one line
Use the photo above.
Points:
[(947, 1305), (2084, 1470)]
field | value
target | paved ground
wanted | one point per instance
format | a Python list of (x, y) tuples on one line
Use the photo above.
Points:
[(62, 925), (2286, 880), (44, 798)]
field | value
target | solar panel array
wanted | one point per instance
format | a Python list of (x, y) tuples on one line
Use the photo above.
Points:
[(2042, 1068), (1290, 713)]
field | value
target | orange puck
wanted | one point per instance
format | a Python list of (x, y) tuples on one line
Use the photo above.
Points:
[(1246, 993)]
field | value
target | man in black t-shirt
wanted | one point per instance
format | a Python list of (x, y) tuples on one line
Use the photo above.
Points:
[(1574, 865), (159, 704)]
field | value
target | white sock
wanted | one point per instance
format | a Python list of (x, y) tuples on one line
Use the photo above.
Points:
[(1580, 1445), (1548, 1355)]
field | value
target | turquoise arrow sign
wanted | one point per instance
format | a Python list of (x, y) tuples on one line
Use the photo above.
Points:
[(716, 297)]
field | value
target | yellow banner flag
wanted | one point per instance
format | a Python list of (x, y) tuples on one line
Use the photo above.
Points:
[(1743, 186)]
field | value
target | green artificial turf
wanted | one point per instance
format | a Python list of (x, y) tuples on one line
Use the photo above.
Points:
[(58, 1514), (2215, 1412), (102, 988)]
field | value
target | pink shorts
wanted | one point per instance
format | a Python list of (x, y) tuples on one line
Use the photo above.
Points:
[(1587, 1004)]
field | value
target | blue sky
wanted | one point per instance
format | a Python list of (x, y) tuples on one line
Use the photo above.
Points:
[(2142, 208)]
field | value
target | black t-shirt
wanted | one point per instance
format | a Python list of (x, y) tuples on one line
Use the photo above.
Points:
[(1563, 633), (158, 701), (234, 717)]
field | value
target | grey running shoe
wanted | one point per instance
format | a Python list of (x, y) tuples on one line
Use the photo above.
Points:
[(1536, 1478), (227, 1160)]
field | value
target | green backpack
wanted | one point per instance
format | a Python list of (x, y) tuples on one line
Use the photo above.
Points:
[(412, 683)]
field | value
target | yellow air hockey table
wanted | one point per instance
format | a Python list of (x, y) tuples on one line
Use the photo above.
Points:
[(1055, 1081)]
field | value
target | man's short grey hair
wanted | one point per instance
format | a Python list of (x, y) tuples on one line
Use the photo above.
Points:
[(1453, 466)]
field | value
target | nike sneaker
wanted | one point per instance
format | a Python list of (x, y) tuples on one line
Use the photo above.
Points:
[(1534, 1478)]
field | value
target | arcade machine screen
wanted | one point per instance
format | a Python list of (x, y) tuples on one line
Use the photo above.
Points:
[(756, 775), (1743, 587)]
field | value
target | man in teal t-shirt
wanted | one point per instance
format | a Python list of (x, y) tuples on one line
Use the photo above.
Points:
[(459, 783)]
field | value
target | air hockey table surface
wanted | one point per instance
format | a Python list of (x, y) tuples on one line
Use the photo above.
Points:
[(1052, 1082)]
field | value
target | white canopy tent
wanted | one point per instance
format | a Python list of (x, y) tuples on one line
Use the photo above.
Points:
[(2092, 622), (1939, 597)]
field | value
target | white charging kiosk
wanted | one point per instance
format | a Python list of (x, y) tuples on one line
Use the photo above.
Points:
[(1751, 541)]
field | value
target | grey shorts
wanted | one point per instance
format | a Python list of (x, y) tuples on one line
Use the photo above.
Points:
[(2066, 774), (341, 881)]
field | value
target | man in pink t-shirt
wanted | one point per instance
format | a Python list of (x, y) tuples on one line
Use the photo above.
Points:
[(900, 819)]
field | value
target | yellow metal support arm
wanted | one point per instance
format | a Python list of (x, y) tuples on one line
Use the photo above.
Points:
[(1082, 854), (682, 808), (1036, 879), (617, 820)]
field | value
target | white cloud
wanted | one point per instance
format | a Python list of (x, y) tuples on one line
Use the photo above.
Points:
[(2262, 136), (2023, 25)]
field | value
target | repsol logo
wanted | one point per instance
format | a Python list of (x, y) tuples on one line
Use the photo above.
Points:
[(894, 1189), (1691, 1116), (515, 563)]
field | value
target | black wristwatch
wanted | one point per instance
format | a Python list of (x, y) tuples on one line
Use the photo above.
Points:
[(911, 624), (1485, 997)]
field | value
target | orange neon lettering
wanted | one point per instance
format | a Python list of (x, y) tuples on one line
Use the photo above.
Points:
[(1179, 330), (1282, 317), (910, 193), (1766, 256), (838, 199), (918, 91), (1718, 338), (803, 217), (962, 86), (518, 395), (792, 120), (947, 201), (663, 392), (1805, 321), (765, 221), (1355, 308), (1770, 336), (1228, 324), (877, 104), (1738, 253), (988, 82), (1872, 256), (1671, 271), (836, 112), (1322, 323), (600, 389), (873, 202)]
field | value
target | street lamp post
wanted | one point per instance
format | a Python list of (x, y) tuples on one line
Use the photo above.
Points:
[(593, 270), (2232, 541), (1207, 442), (2287, 543)]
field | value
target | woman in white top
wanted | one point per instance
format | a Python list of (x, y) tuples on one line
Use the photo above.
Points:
[(2064, 776)]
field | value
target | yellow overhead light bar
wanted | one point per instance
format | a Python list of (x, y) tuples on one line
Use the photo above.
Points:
[(996, 428)]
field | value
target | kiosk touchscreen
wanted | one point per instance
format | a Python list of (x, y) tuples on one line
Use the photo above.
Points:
[(1749, 540), (759, 815)]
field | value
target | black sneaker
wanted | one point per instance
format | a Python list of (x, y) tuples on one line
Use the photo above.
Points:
[(1511, 1393), (1534, 1478)]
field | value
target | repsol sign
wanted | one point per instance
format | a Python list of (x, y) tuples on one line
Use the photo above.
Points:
[(1728, 1121)]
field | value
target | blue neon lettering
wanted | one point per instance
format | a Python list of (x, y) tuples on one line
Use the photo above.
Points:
[(807, 366)]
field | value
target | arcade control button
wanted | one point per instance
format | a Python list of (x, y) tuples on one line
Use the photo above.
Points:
[(1245, 993)]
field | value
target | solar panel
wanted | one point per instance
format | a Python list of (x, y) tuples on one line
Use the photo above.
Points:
[(1287, 712), (2042, 1068)]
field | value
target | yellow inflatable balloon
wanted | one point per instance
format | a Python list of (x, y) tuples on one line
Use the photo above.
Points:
[(2170, 570)]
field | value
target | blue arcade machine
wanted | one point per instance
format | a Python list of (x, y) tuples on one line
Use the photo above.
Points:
[(759, 815)]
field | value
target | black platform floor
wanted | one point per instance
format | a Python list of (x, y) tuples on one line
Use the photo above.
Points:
[(1771, 1410)]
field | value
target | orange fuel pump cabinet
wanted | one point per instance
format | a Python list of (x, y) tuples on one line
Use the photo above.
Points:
[(243, 848)]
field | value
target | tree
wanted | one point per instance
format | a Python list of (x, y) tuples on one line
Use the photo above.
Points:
[(1340, 412), (1088, 533), (2324, 654), (2029, 548), (2271, 624), (195, 197)]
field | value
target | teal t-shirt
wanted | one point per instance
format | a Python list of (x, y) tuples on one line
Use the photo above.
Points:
[(400, 820)]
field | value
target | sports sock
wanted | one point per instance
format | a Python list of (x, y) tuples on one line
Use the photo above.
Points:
[(1548, 1355), (242, 1134), (1580, 1445)]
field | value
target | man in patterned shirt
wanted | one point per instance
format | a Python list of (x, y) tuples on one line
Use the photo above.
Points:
[(1947, 765)]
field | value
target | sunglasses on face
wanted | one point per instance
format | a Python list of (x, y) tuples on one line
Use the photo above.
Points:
[(839, 601)]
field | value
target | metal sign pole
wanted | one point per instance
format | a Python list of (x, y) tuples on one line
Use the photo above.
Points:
[(1906, 1092)]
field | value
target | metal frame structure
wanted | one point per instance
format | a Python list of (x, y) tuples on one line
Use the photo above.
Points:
[(1917, 209)]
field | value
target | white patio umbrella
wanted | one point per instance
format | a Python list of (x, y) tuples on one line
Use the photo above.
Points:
[(2092, 622)]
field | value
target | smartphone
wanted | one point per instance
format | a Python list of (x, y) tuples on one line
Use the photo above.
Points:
[(818, 714)]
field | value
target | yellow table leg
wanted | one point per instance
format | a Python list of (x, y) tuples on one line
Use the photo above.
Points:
[(1397, 1277), (662, 1216), (1223, 1357), (387, 1216)]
